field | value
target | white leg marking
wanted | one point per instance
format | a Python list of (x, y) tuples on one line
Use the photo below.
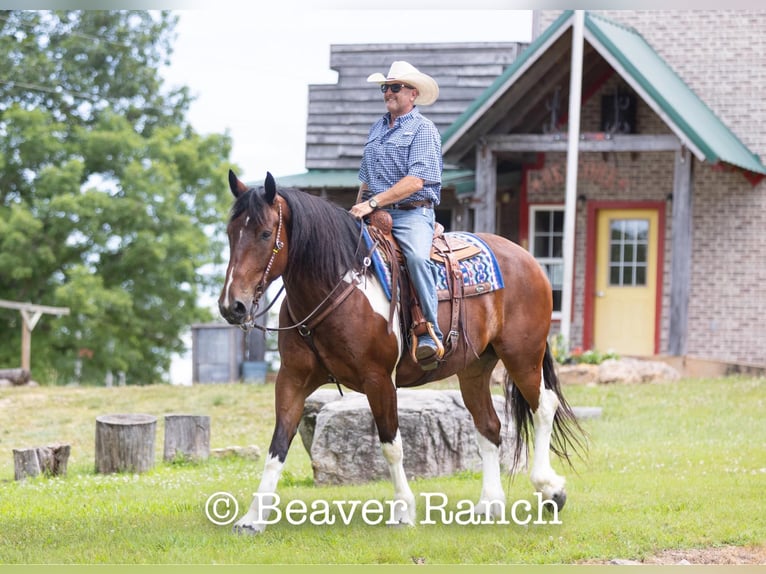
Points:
[(492, 499), (543, 477), (255, 520), (394, 455)]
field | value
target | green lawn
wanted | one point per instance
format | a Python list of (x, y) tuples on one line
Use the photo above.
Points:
[(671, 466)]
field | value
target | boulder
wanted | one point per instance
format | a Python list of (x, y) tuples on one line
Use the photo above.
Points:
[(438, 436), (578, 374), (311, 408), (635, 371)]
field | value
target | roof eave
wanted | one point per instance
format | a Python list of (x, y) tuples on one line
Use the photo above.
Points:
[(467, 120)]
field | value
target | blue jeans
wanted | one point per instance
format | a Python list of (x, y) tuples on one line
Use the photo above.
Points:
[(414, 230)]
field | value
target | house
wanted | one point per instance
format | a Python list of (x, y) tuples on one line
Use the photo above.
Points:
[(669, 249)]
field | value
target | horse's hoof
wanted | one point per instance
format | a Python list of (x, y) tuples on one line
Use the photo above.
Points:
[(398, 525), (559, 499), (246, 530)]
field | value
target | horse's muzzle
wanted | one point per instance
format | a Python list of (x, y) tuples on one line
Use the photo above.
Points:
[(237, 312)]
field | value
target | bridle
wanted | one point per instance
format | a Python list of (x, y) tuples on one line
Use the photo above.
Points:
[(315, 316), (325, 307), (278, 245)]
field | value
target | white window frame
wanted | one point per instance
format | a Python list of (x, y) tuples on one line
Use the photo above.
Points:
[(533, 210)]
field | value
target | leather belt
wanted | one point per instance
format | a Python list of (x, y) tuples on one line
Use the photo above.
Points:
[(410, 205)]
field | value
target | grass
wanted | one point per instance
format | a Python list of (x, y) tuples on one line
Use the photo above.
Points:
[(670, 466)]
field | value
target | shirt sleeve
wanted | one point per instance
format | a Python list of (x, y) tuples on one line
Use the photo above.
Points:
[(425, 159)]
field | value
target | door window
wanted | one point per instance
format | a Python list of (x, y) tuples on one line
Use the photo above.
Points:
[(628, 252)]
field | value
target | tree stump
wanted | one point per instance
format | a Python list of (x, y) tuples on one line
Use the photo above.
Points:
[(125, 443), (187, 436), (16, 376), (49, 460)]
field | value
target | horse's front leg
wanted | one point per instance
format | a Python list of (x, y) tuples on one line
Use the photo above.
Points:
[(382, 399), (289, 401)]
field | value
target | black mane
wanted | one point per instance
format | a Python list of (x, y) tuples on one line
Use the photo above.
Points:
[(324, 238)]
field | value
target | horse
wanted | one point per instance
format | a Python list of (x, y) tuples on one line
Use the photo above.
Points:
[(334, 326)]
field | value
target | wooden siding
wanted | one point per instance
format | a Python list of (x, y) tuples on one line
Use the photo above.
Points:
[(340, 115)]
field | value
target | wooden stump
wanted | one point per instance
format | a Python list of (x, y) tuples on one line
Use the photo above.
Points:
[(125, 443), (49, 460), (16, 376), (187, 436)]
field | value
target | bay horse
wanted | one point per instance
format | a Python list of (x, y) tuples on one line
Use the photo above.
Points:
[(334, 323)]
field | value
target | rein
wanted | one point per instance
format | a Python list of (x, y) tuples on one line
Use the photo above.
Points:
[(307, 324), (320, 312)]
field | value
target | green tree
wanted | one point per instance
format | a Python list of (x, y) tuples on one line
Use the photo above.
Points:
[(110, 203)]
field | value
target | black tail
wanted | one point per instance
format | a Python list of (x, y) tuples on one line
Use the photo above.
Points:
[(568, 436)]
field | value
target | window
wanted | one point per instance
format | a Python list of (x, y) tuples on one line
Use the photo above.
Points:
[(628, 248), (547, 245)]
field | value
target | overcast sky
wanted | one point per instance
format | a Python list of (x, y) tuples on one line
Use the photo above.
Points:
[(250, 68)]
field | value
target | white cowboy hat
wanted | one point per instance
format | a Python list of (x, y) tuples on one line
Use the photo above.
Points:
[(401, 71)]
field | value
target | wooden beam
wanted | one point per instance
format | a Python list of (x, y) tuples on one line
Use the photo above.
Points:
[(681, 252), (486, 189), (597, 142), (30, 315), (35, 308)]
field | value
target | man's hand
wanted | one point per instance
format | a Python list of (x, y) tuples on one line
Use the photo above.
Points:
[(361, 210)]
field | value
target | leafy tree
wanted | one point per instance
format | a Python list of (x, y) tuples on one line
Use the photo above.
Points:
[(110, 203)]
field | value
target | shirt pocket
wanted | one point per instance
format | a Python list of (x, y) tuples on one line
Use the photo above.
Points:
[(397, 150)]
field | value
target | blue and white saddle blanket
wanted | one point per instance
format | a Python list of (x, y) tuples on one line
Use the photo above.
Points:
[(481, 273)]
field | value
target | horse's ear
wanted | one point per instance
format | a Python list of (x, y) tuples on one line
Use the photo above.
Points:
[(271, 188), (237, 187)]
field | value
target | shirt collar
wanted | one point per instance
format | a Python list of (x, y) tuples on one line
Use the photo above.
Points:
[(411, 115)]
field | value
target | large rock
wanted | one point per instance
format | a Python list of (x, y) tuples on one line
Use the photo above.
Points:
[(626, 370), (635, 371), (437, 431)]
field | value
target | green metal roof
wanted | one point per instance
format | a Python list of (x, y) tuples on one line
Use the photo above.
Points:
[(322, 178), (463, 180), (623, 47), (682, 106)]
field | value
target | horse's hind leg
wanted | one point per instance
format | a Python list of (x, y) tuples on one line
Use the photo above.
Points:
[(542, 475), (533, 398), (474, 387)]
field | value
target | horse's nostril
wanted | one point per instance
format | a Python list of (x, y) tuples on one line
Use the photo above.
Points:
[(239, 309)]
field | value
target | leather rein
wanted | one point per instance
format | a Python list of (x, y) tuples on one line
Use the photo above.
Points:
[(306, 326), (321, 311)]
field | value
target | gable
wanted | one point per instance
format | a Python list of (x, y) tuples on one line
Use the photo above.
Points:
[(516, 102)]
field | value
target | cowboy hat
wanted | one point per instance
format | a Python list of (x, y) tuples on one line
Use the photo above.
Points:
[(401, 71)]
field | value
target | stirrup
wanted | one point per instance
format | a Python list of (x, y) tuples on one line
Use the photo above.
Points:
[(432, 334)]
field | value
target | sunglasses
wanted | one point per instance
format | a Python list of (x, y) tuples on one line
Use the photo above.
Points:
[(395, 88)]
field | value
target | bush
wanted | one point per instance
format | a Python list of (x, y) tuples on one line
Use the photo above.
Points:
[(562, 355)]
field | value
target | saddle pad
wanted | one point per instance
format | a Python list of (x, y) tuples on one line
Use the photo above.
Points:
[(481, 273)]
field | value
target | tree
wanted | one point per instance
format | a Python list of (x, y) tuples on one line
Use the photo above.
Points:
[(110, 203)]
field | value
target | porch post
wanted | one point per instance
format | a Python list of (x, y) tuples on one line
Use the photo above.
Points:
[(486, 189), (681, 252), (570, 202)]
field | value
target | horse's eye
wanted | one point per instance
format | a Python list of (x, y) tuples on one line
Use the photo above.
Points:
[(266, 234)]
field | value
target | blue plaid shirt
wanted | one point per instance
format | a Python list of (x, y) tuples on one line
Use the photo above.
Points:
[(412, 147)]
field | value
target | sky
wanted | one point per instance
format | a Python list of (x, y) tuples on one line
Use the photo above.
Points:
[(250, 68)]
